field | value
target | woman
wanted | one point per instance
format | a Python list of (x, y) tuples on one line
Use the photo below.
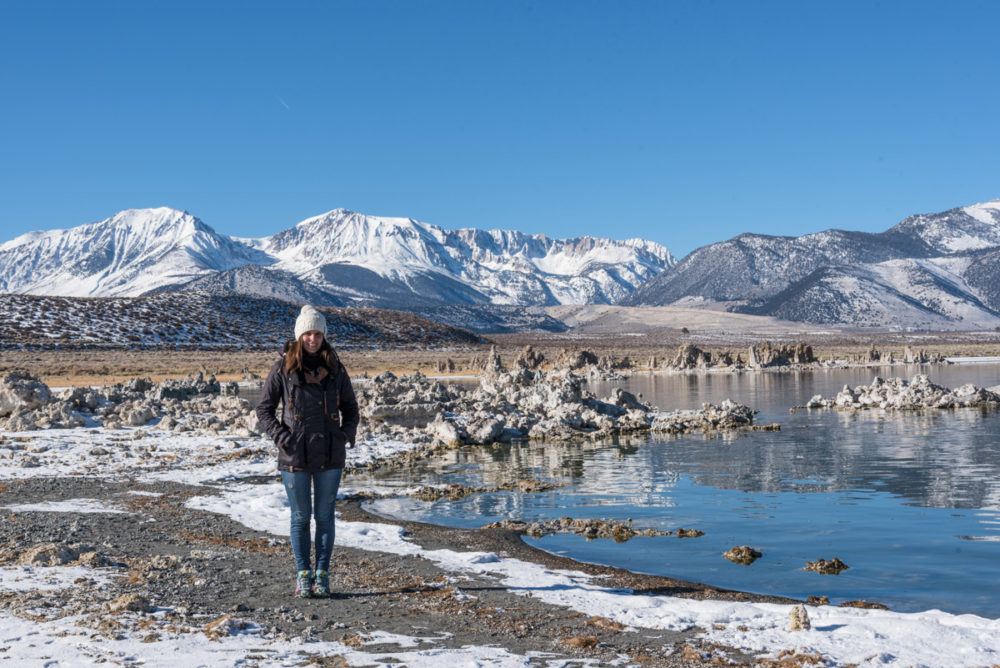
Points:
[(319, 418)]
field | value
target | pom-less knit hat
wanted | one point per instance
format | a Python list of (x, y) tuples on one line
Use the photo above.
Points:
[(308, 320)]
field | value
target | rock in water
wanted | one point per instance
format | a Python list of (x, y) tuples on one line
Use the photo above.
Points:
[(742, 554)]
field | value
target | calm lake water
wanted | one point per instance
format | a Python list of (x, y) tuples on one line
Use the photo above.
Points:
[(909, 501)]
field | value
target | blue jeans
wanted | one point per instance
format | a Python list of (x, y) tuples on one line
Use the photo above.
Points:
[(310, 493)]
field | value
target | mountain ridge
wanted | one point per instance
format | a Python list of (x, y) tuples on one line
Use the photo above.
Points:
[(929, 271), (340, 257)]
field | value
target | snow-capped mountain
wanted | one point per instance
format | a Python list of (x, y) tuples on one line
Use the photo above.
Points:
[(931, 271), (925, 294), (755, 266), (340, 257), (966, 228), (131, 253), (368, 257)]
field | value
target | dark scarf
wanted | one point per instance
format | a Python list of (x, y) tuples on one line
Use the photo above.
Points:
[(313, 368)]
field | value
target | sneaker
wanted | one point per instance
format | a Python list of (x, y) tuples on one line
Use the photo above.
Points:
[(321, 585), (303, 585)]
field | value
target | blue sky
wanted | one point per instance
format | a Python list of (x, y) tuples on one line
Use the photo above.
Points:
[(681, 122)]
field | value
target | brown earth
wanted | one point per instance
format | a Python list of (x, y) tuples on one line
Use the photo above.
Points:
[(61, 368)]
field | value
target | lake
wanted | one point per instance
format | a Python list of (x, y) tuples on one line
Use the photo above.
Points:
[(910, 501)]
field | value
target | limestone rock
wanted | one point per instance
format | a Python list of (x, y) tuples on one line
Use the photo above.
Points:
[(21, 391), (50, 555), (832, 567), (529, 359), (129, 603), (444, 432), (742, 554), (898, 394), (798, 618), (21, 421), (486, 431), (571, 360)]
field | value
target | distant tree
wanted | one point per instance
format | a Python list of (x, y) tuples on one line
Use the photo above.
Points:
[(685, 330)]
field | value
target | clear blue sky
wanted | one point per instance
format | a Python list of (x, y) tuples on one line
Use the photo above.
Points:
[(681, 122)]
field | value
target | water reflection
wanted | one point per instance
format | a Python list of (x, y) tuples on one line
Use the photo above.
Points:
[(934, 458), (911, 501)]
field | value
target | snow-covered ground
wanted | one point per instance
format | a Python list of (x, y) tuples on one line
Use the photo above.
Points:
[(64, 642), (842, 636)]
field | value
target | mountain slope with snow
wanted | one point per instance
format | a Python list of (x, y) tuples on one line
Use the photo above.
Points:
[(200, 320), (932, 271), (755, 266), (131, 253), (466, 266), (966, 228), (905, 294), (340, 257)]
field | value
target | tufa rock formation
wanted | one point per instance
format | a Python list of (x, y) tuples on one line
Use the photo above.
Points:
[(896, 393)]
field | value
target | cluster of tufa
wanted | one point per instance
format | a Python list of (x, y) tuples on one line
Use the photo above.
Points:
[(896, 393), (522, 404), (506, 405), (193, 403), (760, 356)]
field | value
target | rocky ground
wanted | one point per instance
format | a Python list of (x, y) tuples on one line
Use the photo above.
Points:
[(207, 574), (204, 567)]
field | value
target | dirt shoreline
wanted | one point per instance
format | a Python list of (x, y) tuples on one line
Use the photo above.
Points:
[(224, 568)]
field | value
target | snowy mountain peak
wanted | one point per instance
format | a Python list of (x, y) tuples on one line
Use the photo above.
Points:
[(465, 266), (986, 212), (963, 229), (340, 256), (130, 253)]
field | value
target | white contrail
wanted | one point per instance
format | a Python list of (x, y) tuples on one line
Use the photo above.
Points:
[(283, 102)]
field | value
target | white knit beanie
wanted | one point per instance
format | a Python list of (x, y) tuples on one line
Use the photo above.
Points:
[(308, 320)]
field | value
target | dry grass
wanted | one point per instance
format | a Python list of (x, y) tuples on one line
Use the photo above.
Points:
[(102, 367), (581, 642), (792, 659), (606, 624), (105, 367)]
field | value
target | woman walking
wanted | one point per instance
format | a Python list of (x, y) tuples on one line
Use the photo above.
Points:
[(319, 418)]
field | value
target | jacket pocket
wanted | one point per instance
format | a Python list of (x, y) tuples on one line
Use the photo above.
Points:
[(291, 447)]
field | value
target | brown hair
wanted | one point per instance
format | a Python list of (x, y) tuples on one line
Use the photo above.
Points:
[(294, 352)]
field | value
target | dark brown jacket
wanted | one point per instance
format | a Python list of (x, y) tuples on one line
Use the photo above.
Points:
[(317, 421)]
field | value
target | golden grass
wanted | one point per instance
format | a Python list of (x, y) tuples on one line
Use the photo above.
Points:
[(66, 368)]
